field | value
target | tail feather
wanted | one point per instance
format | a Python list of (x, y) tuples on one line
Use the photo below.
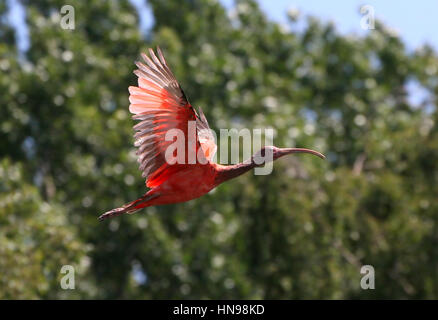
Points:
[(130, 207)]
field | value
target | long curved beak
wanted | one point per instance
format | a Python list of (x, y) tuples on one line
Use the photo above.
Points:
[(285, 151)]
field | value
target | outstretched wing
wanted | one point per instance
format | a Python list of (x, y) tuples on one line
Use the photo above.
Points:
[(161, 105)]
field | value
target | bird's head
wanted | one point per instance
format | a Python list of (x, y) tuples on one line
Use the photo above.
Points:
[(271, 153)]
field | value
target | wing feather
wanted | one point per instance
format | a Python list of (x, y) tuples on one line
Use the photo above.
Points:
[(205, 136), (160, 104)]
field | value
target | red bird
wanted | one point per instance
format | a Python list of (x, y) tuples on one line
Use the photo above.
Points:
[(161, 105)]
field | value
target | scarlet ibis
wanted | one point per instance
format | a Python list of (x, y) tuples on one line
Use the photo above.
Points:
[(160, 104)]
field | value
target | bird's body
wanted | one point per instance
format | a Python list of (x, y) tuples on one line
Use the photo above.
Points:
[(162, 108), (189, 183)]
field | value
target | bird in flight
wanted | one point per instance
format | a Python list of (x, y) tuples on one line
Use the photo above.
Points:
[(160, 105)]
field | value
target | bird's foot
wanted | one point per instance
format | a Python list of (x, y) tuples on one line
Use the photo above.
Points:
[(112, 213), (129, 208)]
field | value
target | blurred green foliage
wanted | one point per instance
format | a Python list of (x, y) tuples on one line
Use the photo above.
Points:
[(302, 232)]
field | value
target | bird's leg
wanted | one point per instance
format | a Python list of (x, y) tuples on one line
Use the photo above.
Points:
[(130, 207)]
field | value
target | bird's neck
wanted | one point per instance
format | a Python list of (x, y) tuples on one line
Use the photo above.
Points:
[(225, 173)]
